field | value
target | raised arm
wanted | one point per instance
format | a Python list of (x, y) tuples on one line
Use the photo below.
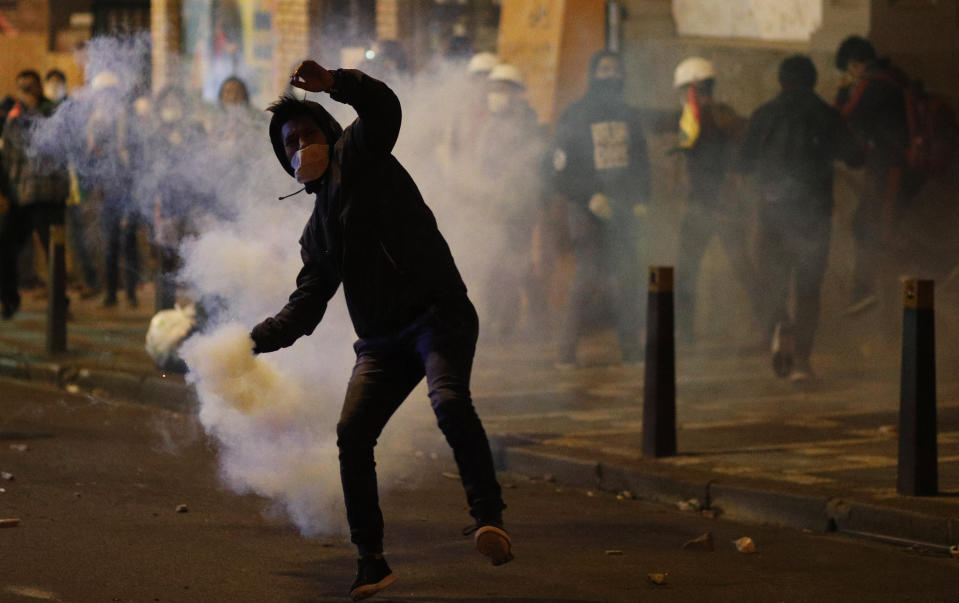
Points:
[(379, 115)]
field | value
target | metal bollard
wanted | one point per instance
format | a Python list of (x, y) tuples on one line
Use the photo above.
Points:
[(918, 462), (57, 300), (659, 390)]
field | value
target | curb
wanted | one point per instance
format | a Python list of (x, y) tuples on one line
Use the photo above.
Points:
[(510, 453), (815, 513), (141, 389)]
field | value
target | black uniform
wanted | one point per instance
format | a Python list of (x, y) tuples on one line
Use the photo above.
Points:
[(791, 143), (371, 231)]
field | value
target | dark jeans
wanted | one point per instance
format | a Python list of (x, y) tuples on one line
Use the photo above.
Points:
[(790, 249), (698, 227), (120, 224), (78, 244), (168, 263), (18, 224), (607, 263), (440, 345)]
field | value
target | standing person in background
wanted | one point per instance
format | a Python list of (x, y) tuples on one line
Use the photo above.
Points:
[(179, 189), (112, 145), (459, 135), (55, 88), (35, 188), (792, 143), (509, 151), (871, 100), (709, 133), (602, 169)]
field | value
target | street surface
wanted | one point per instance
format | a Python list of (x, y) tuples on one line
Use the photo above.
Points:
[(97, 488)]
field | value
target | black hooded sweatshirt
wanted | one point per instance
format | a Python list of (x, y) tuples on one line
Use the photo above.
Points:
[(600, 148), (370, 229)]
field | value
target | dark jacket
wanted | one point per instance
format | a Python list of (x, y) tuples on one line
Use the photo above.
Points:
[(791, 143), (30, 177), (600, 148), (707, 162), (369, 230), (875, 108)]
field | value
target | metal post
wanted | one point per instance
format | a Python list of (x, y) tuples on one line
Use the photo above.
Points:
[(659, 392), (57, 300), (918, 462)]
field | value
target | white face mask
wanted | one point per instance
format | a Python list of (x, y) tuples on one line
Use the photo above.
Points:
[(497, 102), (55, 92), (310, 162), (169, 114)]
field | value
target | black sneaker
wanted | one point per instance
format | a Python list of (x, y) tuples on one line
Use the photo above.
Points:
[(372, 576), (492, 540)]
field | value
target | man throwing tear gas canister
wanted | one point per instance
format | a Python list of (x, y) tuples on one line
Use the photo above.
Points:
[(371, 231)]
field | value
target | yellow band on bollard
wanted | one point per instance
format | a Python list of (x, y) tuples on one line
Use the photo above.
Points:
[(917, 294), (661, 278), (58, 235)]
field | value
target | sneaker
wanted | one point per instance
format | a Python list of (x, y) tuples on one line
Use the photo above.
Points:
[(493, 541), (801, 372), (861, 305), (372, 576), (782, 350)]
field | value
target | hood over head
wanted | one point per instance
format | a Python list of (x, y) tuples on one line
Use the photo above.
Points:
[(285, 109)]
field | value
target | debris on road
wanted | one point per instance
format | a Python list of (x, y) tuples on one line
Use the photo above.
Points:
[(625, 495), (709, 513), (549, 478), (692, 504), (657, 579), (888, 430), (73, 388), (19, 447), (182, 509), (450, 475), (614, 552), (954, 551), (745, 545), (7, 476), (419, 454), (590, 493), (9, 523), (702, 543), (434, 456)]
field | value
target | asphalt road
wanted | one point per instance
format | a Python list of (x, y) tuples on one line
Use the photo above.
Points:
[(97, 488)]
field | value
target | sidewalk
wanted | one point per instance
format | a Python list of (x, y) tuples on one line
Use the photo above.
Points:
[(820, 456)]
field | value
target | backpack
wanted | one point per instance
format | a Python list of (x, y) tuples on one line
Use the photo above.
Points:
[(932, 132), (931, 123)]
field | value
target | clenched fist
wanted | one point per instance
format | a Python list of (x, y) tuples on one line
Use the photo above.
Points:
[(310, 76)]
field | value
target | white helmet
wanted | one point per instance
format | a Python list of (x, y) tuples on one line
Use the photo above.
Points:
[(482, 62), (105, 79), (693, 69), (507, 73)]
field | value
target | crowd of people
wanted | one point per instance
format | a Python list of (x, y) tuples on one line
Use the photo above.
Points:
[(880, 124), (106, 163), (492, 149)]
